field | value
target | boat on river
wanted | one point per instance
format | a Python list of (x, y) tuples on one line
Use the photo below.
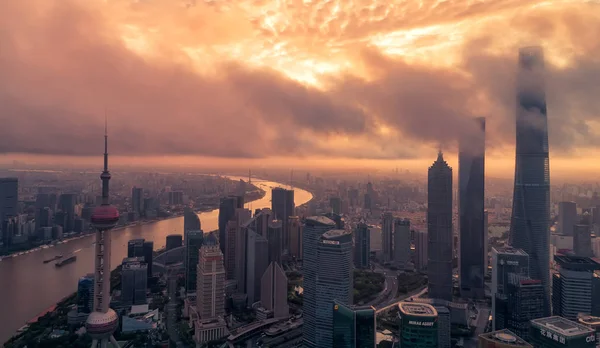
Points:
[(57, 257), (68, 260)]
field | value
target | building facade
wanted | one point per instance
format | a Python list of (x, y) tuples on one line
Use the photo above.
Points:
[(362, 246), (558, 332), (418, 325), (387, 232), (273, 291), (193, 242), (505, 260), (282, 205), (402, 243), (353, 327), (210, 289), (567, 217), (134, 281)]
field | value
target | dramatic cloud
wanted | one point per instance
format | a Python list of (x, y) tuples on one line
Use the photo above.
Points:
[(361, 79)]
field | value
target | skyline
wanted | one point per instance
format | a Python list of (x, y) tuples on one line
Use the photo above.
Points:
[(208, 74)]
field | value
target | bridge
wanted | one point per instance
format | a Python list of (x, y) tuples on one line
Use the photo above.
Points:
[(247, 331), (385, 308)]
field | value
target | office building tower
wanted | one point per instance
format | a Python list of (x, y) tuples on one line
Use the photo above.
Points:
[(85, 294), (439, 229), (523, 302), (353, 327), (582, 241), (420, 250), (134, 281), (42, 201), (567, 217), (295, 229), (262, 218), (501, 339), (230, 246), (486, 242), (529, 228), (173, 241), (275, 238), (137, 200), (362, 246), (444, 327), (574, 286), (402, 243), (135, 248), (193, 242), (191, 221), (282, 204), (387, 232), (103, 321), (471, 186), (10, 228), (336, 205), (558, 332), (505, 260), (257, 261), (67, 203), (210, 291), (274, 290), (227, 208), (334, 281), (593, 323), (241, 251), (149, 256), (175, 198), (418, 325), (314, 228)]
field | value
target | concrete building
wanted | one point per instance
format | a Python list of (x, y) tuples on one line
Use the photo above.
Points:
[(314, 228), (362, 246), (593, 323), (402, 243), (273, 291), (501, 339), (174, 241), (558, 332), (387, 232), (282, 205), (421, 250), (137, 200), (567, 217), (257, 261), (521, 303), (295, 229), (210, 291), (134, 281), (209, 330), (275, 239), (574, 285), (193, 240), (418, 325), (227, 208)]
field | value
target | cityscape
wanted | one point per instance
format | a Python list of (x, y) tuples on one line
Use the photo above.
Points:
[(286, 201)]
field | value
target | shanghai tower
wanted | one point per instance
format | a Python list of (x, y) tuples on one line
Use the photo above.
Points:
[(471, 185), (529, 225), (439, 229)]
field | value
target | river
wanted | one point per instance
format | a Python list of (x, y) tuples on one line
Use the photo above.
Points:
[(29, 287)]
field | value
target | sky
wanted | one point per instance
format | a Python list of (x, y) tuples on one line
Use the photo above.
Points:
[(353, 83)]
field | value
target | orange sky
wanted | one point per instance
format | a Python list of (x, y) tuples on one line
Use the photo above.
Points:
[(275, 83)]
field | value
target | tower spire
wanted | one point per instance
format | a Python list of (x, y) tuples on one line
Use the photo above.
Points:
[(105, 176)]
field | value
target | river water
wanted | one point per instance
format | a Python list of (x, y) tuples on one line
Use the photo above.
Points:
[(29, 287)]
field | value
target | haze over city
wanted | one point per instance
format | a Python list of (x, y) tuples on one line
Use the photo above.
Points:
[(290, 84)]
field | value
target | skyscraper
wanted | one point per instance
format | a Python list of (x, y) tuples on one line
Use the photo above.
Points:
[(334, 281), (275, 238), (314, 227), (67, 203), (387, 231), (353, 327), (210, 293), (137, 200), (134, 281), (85, 294), (9, 198), (295, 229), (471, 185), (193, 242), (418, 324), (582, 241), (402, 243), (282, 204), (273, 291), (191, 221), (257, 261), (362, 245), (420, 250), (227, 209), (575, 286), (439, 226), (529, 227), (103, 321), (567, 217), (505, 261)]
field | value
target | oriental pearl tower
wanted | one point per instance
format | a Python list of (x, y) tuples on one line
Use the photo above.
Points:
[(103, 321)]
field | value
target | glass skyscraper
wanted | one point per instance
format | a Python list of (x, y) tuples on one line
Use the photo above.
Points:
[(529, 227), (353, 327), (471, 185), (439, 226)]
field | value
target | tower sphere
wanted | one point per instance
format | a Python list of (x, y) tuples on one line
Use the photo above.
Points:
[(102, 325)]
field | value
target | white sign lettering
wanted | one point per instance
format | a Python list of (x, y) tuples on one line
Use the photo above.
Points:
[(512, 263), (420, 323), (591, 338)]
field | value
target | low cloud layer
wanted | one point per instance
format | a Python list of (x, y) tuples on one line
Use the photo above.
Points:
[(244, 80)]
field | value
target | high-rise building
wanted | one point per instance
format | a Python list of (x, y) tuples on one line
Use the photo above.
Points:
[(173, 241), (149, 256), (471, 186), (295, 229), (336, 205), (362, 245), (42, 201), (193, 242), (273, 291), (444, 326), (191, 221), (227, 208), (85, 294), (67, 203), (387, 232), (402, 243), (282, 204), (439, 229), (522, 302), (567, 217), (9, 198), (137, 200), (134, 281), (501, 339), (418, 325), (234, 229), (334, 281), (593, 323), (420, 250), (314, 227), (135, 248), (353, 327), (275, 238), (582, 241), (486, 242), (530, 221), (103, 321), (574, 286), (558, 332), (210, 290), (257, 261), (505, 261)]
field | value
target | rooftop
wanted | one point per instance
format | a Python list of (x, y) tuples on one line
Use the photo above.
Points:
[(588, 320), (506, 337), (510, 251), (418, 309), (320, 220), (562, 326), (334, 234), (577, 262)]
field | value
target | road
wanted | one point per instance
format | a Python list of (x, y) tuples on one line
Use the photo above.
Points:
[(390, 286), (393, 302), (480, 322)]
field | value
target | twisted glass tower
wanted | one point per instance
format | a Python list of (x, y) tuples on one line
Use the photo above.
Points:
[(529, 227)]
